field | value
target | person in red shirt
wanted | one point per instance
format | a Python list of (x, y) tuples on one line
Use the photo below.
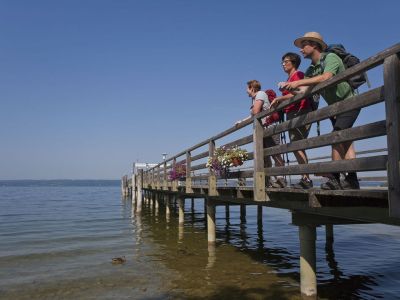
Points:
[(290, 63)]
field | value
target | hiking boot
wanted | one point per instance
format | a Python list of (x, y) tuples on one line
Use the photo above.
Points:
[(304, 184), (350, 183), (331, 184), (279, 183)]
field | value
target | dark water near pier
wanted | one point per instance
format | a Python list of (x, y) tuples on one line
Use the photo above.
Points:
[(57, 239)]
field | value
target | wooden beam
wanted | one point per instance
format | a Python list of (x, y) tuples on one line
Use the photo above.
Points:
[(392, 102), (368, 98), (188, 186), (373, 163), (351, 134), (200, 156), (212, 180), (259, 173), (198, 167)]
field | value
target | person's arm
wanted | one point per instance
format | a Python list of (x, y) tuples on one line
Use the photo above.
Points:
[(280, 99), (256, 108), (294, 85)]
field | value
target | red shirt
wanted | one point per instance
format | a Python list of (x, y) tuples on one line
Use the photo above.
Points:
[(304, 103)]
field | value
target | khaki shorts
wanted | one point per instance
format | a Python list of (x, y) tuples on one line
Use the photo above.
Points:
[(299, 133), (272, 141)]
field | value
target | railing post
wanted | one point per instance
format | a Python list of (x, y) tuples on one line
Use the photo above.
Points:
[(152, 178), (212, 179), (188, 179), (175, 181), (158, 178), (165, 176), (391, 73), (259, 174)]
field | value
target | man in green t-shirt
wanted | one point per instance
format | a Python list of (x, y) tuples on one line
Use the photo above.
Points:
[(312, 46)]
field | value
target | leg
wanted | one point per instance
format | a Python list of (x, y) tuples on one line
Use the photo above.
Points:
[(343, 151), (301, 156)]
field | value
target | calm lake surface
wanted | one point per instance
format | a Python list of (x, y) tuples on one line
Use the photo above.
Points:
[(57, 240)]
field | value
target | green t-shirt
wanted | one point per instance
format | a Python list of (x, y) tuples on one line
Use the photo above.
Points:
[(334, 65)]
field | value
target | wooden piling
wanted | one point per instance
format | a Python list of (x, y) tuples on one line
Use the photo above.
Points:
[(243, 213), (167, 208), (259, 213), (329, 233), (181, 207), (211, 221), (308, 278), (227, 213), (139, 192), (133, 190)]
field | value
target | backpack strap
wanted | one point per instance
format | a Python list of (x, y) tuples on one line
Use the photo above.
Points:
[(322, 60)]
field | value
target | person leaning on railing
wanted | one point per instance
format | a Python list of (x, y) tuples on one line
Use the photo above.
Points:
[(260, 102), (312, 46), (290, 63)]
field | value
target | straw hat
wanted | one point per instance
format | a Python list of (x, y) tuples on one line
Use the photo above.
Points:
[(311, 36)]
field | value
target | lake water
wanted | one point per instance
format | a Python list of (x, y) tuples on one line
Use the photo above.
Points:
[(58, 238)]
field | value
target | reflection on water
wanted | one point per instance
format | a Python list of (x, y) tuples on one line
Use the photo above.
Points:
[(58, 241)]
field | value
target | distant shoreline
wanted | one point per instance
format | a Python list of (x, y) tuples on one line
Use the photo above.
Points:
[(59, 182)]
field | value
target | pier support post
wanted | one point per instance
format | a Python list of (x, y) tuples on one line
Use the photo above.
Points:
[(139, 202), (181, 230), (259, 214), (243, 213), (181, 205), (133, 190), (167, 208), (210, 221), (329, 233), (308, 278), (139, 192), (156, 200), (227, 213), (212, 257)]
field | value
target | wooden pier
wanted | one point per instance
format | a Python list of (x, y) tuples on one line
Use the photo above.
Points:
[(310, 208)]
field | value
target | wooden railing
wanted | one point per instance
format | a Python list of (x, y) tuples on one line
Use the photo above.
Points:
[(195, 156)]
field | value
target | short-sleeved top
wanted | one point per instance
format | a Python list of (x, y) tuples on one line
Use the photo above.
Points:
[(261, 95), (304, 103), (334, 65)]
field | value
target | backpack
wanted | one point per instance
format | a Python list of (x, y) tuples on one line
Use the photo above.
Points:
[(349, 60), (276, 116)]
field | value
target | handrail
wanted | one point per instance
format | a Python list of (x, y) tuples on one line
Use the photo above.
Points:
[(389, 93), (363, 66)]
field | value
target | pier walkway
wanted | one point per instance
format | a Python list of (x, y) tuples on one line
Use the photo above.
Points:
[(245, 185)]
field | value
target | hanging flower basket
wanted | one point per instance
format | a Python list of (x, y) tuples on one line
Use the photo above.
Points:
[(226, 157), (178, 172)]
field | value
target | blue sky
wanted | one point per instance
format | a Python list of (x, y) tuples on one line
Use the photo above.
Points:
[(88, 87)]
